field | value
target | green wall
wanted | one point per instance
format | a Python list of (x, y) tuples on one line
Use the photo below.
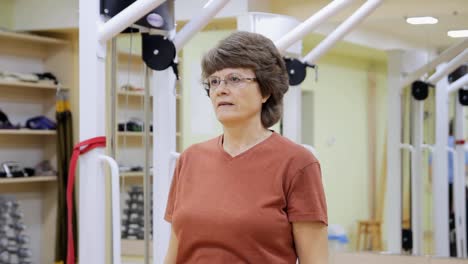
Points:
[(335, 123), (6, 14)]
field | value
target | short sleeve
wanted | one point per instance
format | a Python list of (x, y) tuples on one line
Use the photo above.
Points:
[(306, 197), (172, 194)]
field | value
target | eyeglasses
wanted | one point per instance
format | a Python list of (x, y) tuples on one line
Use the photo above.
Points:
[(232, 80)]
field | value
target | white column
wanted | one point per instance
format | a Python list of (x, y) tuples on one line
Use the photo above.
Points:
[(164, 143), (92, 198), (416, 177), (440, 176), (393, 192), (292, 114)]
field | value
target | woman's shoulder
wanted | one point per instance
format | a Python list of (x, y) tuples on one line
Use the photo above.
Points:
[(293, 151)]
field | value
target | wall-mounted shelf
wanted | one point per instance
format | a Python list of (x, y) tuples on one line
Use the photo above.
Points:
[(28, 179), (131, 134), (25, 37), (27, 132), (138, 94), (32, 53), (133, 94), (132, 174), (125, 57), (38, 85), (139, 134)]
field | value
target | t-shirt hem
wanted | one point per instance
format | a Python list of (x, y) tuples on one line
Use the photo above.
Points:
[(308, 217)]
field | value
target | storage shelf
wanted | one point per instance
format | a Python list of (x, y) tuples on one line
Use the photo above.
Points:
[(138, 94), (132, 174), (131, 94), (28, 179), (27, 132), (134, 247), (31, 52), (132, 134), (29, 85), (24, 37), (124, 57), (133, 178), (139, 134)]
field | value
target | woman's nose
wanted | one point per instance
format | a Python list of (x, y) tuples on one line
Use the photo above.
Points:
[(222, 88)]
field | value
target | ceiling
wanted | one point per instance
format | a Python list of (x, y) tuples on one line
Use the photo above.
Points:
[(388, 20)]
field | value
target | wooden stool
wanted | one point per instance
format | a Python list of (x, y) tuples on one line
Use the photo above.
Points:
[(372, 228)]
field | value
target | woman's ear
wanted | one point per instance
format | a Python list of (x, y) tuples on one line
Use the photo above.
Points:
[(264, 99)]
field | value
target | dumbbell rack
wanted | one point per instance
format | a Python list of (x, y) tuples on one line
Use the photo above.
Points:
[(133, 218), (14, 247)]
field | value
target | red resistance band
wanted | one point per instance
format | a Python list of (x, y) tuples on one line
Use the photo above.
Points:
[(460, 142), (79, 149)]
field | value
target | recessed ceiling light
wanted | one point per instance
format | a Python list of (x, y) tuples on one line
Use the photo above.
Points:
[(458, 33), (425, 20)]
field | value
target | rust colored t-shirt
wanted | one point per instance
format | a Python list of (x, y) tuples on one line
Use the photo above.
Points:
[(239, 209)]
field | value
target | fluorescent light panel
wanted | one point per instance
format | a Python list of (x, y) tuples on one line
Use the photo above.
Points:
[(458, 33), (424, 20)]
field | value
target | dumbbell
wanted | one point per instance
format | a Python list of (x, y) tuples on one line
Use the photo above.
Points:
[(24, 253), (18, 226)]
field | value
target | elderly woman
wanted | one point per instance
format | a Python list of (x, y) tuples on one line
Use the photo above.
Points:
[(249, 195)]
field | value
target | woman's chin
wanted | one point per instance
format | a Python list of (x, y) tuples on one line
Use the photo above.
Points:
[(227, 119)]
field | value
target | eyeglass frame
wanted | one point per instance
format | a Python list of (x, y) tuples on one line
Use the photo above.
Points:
[(207, 87)]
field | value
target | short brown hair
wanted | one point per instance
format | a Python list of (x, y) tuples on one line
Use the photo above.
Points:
[(256, 52)]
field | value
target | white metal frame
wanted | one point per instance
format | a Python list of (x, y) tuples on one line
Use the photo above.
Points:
[(344, 28), (292, 124), (440, 165), (393, 212), (292, 115), (93, 42), (311, 23), (459, 181), (94, 34)]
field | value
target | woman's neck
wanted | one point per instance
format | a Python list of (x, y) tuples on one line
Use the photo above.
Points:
[(240, 138)]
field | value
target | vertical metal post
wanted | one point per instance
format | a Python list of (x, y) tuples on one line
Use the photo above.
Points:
[(416, 177), (112, 109), (91, 217), (146, 178), (440, 177), (164, 143), (393, 192), (292, 114), (459, 181)]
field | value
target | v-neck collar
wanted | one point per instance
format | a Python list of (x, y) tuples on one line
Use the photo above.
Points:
[(228, 156)]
